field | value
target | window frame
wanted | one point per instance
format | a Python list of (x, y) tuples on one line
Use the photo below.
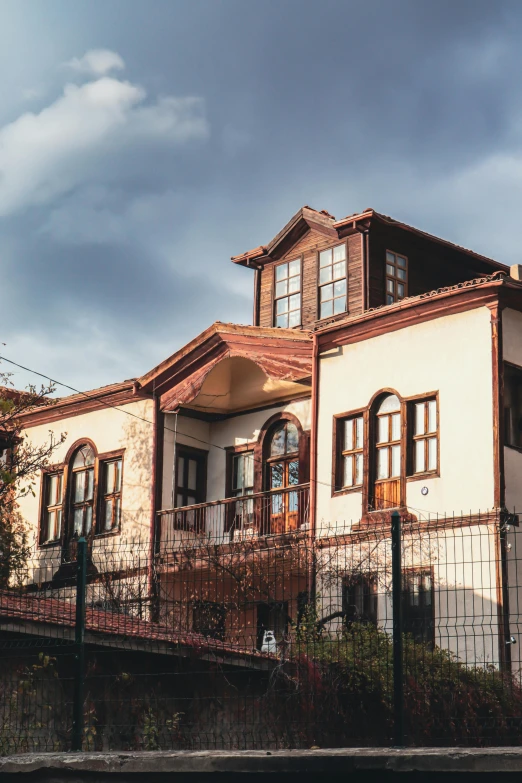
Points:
[(321, 285), (411, 402), (395, 277), (338, 453), (275, 298), (201, 456), (47, 473), (420, 571), (103, 460)]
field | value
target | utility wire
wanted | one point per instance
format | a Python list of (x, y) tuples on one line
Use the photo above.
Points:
[(151, 423)]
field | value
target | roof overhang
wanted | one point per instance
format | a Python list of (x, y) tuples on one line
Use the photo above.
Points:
[(230, 368)]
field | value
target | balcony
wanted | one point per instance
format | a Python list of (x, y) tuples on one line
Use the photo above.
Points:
[(275, 512)]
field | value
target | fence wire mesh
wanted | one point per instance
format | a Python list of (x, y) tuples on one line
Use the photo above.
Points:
[(267, 641)]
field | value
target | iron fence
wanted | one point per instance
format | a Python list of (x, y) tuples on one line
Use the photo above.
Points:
[(393, 630)]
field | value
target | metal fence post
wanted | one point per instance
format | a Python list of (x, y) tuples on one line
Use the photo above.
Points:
[(79, 674), (398, 672)]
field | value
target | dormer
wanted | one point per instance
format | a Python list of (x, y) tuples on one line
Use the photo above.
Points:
[(319, 269)]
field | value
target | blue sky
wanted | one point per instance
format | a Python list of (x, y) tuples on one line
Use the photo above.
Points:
[(144, 143)]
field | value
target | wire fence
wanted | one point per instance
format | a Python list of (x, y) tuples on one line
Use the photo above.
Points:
[(391, 631)]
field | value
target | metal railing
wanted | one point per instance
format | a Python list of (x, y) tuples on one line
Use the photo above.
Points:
[(275, 512)]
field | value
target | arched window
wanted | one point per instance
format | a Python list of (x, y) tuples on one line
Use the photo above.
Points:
[(387, 454), (82, 491), (283, 472)]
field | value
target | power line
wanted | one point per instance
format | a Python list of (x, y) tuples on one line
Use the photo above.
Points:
[(151, 423)]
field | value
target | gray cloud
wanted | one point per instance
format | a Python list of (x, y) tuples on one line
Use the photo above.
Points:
[(123, 195)]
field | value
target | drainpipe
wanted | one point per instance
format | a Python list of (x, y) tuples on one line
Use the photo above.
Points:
[(313, 459)]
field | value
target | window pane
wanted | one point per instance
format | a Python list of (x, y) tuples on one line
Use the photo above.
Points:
[(432, 416), (117, 512), (276, 475), (108, 514), (90, 484), (179, 500), (57, 523), (340, 304), (117, 469), (390, 404), (325, 257), (248, 470), (79, 486), (390, 270), (325, 274), (390, 258), (277, 446), (88, 520), (84, 458), (384, 429), (281, 288), (419, 457), (401, 273), (396, 426), (293, 473), (358, 469), (294, 268), (401, 261), (339, 253), (419, 418), (390, 286), (78, 520), (294, 284), (382, 463), (295, 302), (181, 472), (192, 474), (348, 471), (348, 435), (389, 299), (294, 318), (326, 292), (339, 270), (292, 438), (282, 305), (282, 321), (359, 432), (50, 529), (396, 461), (432, 453), (400, 290), (326, 309), (237, 472), (110, 475), (52, 485), (340, 288), (281, 271)]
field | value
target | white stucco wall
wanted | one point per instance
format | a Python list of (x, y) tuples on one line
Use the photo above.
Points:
[(234, 431), (451, 355), (109, 429)]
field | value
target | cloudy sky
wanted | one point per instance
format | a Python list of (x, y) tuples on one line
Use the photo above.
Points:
[(144, 143)]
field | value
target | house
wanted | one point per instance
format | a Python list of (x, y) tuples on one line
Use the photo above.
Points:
[(382, 371)]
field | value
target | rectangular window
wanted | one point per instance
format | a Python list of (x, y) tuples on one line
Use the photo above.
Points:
[(288, 294), (191, 472), (243, 474), (208, 619), (111, 499), (396, 277), (53, 507), (350, 454), (425, 436), (332, 281), (271, 617), (359, 599), (417, 604), (513, 406)]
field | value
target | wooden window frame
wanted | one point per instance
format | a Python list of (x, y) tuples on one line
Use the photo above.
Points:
[(103, 460), (201, 456), (394, 277), (47, 472), (276, 298), (411, 402), (339, 421), (421, 570), (321, 285)]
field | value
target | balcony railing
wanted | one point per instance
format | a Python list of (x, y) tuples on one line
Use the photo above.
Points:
[(275, 512)]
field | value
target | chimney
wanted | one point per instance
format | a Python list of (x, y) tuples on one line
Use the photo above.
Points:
[(515, 271)]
